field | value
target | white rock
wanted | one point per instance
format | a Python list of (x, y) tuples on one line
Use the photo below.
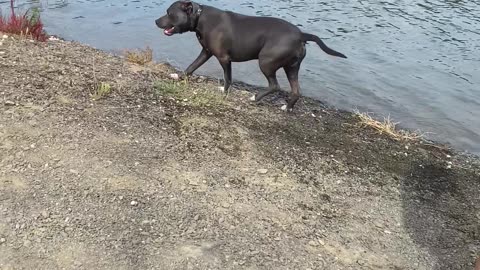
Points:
[(284, 107), (252, 98), (262, 171), (313, 243), (174, 76), (133, 203)]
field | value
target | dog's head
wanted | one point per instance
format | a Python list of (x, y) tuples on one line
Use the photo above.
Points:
[(181, 17)]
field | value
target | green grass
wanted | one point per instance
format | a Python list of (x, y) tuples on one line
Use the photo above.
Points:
[(101, 91), (194, 95)]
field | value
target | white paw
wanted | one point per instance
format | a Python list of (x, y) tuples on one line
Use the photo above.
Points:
[(284, 107), (252, 98), (221, 88), (174, 76)]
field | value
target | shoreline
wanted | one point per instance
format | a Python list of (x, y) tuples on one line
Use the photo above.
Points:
[(445, 143), (104, 159)]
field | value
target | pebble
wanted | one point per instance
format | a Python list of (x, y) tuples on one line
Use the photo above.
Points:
[(3, 240), (262, 171), (313, 243), (225, 205), (133, 203), (194, 183), (174, 76), (45, 214), (361, 262), (9, 103), (378, 224)]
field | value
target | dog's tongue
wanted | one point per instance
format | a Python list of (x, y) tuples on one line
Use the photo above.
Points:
[(168, 31)]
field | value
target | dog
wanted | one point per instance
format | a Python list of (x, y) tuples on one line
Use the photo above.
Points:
[(233, 37)]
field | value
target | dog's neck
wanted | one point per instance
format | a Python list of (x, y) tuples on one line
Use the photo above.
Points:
[(197, 11)]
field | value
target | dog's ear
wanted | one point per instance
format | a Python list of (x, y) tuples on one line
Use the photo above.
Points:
[(187, 6)]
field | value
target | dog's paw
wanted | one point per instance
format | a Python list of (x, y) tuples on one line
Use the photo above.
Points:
[(174, 76), (253, 98)]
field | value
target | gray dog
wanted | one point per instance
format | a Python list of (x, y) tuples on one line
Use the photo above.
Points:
[(233, 37)]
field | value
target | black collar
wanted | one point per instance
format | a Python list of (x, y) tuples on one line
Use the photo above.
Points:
[(197, 15)]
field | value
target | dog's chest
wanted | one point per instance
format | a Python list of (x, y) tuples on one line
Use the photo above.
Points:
[(202, 40)]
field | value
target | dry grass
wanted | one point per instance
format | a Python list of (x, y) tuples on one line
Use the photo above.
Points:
[(139, 56), (388, 127)]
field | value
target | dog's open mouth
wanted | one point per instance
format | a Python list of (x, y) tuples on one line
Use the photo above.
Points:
[(169, 31)]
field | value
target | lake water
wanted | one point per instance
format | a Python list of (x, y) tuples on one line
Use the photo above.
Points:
[(415, 60)]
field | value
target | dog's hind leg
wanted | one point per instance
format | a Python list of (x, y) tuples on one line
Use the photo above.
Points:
[(269, 70), (291, 70), (292, 75)]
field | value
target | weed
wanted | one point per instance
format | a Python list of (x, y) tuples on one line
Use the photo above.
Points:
[(140, 57), (194, 96), (169, 88), (101, 91), (387, 127), (29, 24)]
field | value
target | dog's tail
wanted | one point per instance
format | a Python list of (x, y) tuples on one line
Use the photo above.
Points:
[(309, 37)]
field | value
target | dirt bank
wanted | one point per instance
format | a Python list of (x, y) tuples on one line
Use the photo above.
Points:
[(157, 174)]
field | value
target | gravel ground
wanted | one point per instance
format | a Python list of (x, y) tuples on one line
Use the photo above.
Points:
[(146, 179)]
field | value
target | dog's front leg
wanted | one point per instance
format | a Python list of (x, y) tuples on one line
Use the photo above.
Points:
[(201, 59)]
